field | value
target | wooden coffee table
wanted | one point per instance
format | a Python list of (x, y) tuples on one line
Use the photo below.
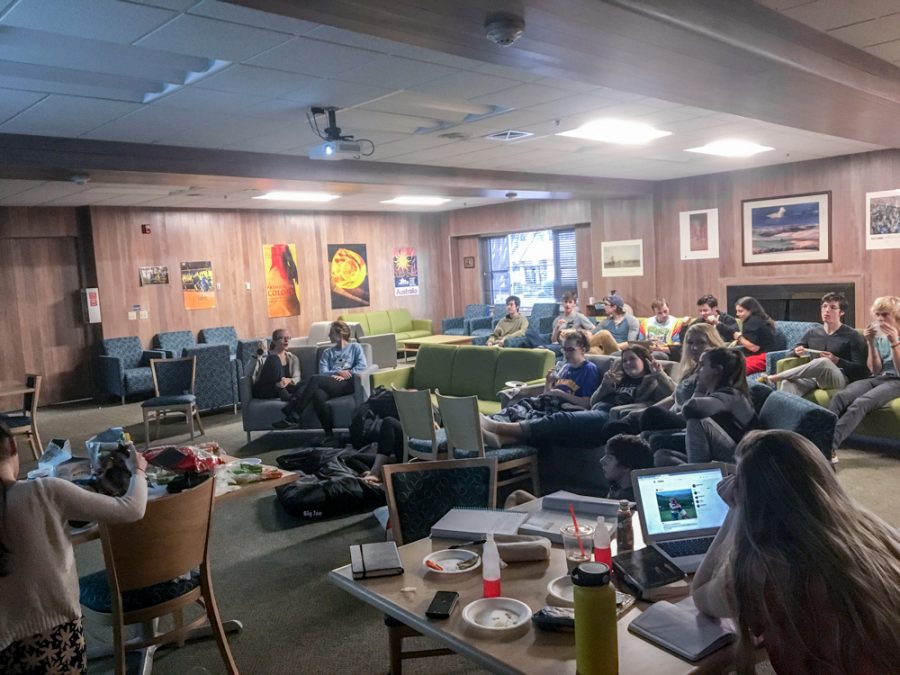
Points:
[(411, 346)]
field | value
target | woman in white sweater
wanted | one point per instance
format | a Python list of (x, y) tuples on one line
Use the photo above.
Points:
[(40, 615)]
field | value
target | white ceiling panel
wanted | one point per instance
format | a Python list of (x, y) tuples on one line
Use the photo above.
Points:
[(870, 33), (66, 116), (196, 100), (351, 39), (240, 79), (830, 14), (251, 17), (335, 93), (394, 72), (176, 5), (441, 58), (107, 20), (889, 51), (12, 102), (466, 85), (10, 187), (523, 96), (313, 57), (210, 38)]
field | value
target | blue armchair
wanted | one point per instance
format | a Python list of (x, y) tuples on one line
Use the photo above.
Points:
[(541, 321), (226, 335), (787, 334), (462, 325), (215, 383), (174, 342), (123, 367)]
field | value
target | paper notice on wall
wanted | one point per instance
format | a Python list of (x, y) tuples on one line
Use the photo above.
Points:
[(406, 271), (282, 280)]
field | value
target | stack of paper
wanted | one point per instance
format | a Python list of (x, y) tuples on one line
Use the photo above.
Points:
[(459, 523)]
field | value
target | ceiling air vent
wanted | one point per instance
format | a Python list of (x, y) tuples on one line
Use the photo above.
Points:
[(454, 136), (508, 135)]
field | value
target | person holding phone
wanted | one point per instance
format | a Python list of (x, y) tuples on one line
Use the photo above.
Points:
[(863, 396)]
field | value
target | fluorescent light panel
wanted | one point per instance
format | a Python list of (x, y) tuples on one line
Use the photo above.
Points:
[(289, 196), (622, 132), (417, 201), (731, 147)]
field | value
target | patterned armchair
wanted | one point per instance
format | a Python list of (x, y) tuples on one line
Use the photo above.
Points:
[(174, 342), (540, 321), (462, 325), (123, 367), (216, 380), (787, 334), (226, 335)]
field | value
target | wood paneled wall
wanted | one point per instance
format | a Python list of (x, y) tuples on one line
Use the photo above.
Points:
[(232, 241), (44, 261), (848, 178)]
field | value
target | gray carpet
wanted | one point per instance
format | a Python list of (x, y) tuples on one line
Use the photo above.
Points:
[(269, 568)]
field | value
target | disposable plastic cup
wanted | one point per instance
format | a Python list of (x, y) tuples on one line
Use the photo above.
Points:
[(578, 544)]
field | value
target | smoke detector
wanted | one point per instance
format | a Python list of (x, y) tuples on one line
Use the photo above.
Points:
[(504, 29)]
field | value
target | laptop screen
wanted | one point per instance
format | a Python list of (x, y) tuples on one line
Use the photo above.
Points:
[(681, 501)]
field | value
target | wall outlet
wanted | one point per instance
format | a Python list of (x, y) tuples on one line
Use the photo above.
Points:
[(218, 285), (145, 314), (132, 316), (584, 284), (246, 285)]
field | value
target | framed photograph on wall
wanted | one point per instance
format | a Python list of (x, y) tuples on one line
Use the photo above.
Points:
[(699, 234), (883, 219), (624, 258), (794, 229), (469, 262)]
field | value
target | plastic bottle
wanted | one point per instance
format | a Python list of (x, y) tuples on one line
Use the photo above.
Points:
[(602, 552), (624, 527), (596, 644), (490, 568)]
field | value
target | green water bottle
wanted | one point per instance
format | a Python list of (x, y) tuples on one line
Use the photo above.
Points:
[(596, 642)]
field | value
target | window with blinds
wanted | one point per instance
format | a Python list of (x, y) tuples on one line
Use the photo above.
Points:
[(537, 266)]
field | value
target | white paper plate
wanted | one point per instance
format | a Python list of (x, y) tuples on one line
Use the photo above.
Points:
[(561, 590), (497, 614), (449, 559)]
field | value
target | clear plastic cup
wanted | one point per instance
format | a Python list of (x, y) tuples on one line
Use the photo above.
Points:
[(578, 544)]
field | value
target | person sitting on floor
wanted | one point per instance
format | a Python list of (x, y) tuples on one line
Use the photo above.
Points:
[(708, 312), (839, 357), (277, 374), (41, 629), (617, 330), (624, 454), (571, 320), (801, 565), (757, 333), (337, 366), (510, 326)]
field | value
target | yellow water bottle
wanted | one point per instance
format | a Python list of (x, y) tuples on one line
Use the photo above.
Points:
[(596, 642)]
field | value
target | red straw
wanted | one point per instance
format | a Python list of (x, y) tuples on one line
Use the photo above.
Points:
[(577, 531)]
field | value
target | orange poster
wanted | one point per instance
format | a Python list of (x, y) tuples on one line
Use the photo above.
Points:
[(197, 285), (282, 280)]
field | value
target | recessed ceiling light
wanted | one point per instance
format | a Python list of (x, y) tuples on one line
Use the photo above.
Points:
[(417, 201), (623, 132), (731, 147), (289, 196)]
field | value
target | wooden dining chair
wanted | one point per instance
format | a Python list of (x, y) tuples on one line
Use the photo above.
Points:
[(418, 495), (462, 423), (156, 567), (173, 381), (421, 440), (26, 422)]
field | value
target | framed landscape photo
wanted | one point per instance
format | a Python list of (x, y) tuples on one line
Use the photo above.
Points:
[(883, 219), (794, 229), (699, 234), (624, 258)]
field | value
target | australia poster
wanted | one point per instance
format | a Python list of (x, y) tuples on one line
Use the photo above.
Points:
[(282, 280), (788, 229), (406, 271), (197, 286), (349, 276)]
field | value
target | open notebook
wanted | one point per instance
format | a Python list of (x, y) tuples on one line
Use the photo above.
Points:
[(683, 630)]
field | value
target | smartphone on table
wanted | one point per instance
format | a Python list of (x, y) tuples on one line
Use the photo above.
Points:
[(442, 605)]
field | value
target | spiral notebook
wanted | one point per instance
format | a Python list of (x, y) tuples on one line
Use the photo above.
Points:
[(462, 523)]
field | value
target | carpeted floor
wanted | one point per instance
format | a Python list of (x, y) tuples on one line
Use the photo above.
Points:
[(269, 568)]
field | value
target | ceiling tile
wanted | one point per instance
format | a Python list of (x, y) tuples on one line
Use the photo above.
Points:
[(336, 93), (830, 14), (465, 85), (12, 102), (313, 57), (441, 58), (176, 5), (393, 72), (889, 51), (351, 39), (66, 116), (211, 38), (871, 32), (241, 79), (122, 22), (9, 186), (227, 11), (523, 96)]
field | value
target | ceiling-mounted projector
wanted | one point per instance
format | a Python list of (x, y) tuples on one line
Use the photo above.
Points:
[(336, 150)]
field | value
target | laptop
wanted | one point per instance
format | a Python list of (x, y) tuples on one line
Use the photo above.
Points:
[(681, 512)]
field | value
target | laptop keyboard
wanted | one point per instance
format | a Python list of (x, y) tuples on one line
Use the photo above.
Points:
[(685, 547)]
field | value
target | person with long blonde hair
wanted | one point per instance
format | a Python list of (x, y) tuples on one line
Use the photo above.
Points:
[(802, 566)]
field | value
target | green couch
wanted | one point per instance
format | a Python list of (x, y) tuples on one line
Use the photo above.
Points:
[(396, 321), (464, 370), (881, 423)]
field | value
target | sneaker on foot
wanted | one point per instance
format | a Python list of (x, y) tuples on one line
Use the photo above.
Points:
[(284, 424)]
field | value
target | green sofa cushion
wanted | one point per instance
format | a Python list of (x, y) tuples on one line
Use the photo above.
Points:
[(512, 363), (400, 319), (473, 372), (379, 322), (412, 335), (434, 367)]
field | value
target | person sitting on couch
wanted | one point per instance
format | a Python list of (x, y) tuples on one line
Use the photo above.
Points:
[(619, 328), (570, 320), (510, 326), (662, 329), (277, 374), (757, 333), (708, 312)]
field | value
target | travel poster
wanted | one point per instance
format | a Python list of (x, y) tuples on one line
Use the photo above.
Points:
[(406, 271), (197, 285), (282, 280), (349, 276)]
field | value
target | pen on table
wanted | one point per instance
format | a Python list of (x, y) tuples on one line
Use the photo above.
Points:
[(477, 542)]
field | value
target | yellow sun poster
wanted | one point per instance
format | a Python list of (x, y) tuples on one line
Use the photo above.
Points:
[(406, 271), (282, 280), (349, 276), (197, 287)]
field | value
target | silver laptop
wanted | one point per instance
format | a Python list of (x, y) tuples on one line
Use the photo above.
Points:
[(680, 510)]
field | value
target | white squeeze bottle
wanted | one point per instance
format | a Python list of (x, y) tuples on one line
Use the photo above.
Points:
[(490, 568), (602, 551)]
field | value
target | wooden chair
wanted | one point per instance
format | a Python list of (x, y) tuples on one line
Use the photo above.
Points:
[(26, 422), (418, 495), (173, 381), (421, 440), (147, 563), (462, 423)]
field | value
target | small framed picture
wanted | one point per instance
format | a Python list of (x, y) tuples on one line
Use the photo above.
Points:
[(469, 262), (793, 229), (699, 234), (624, 258), (883, 219)]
